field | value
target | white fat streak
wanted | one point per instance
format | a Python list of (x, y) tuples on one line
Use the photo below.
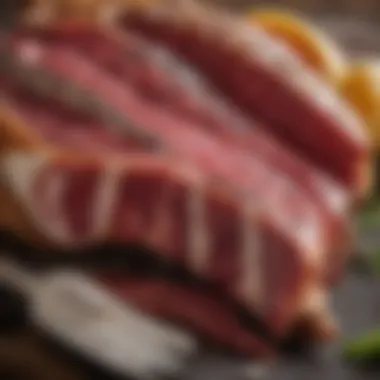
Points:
[(105, 200), (198, 231), (30, 52), (21, 172), (305, 226), (335, 194), (311, 237), (251, 254)]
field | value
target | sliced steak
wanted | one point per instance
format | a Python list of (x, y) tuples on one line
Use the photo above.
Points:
[(60, 126), (156, 74), (304, 113), (205, 148), (290, 239), (185, 305), (75, 201)]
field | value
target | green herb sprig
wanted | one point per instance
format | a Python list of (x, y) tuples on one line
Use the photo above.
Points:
[(363, 350)]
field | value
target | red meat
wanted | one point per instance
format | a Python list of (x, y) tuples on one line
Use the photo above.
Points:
[(297, 107), (212, 258), (181, 304), (157, 74), (117, 164), (76, 201), (250, 172)]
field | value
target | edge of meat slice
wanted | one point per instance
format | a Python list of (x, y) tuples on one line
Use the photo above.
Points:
[(309, 116), (185, 305)]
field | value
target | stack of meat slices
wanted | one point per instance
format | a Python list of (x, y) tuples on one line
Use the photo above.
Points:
[(210, 145)]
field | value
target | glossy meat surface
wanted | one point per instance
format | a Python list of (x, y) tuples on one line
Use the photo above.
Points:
[(130, 144), (302, 111)]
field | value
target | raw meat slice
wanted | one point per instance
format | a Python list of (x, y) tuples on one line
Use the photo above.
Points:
[(205, 150), (151, 162), (159, 75), (54, 124), (187, 306), (301, 110), (52, 188), (285, 308)]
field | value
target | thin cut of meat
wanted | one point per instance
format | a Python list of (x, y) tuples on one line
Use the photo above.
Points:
[(156, 73), (72, 199), (293, 242), (262, 77), (62, 127), (120, 231), (205, 150), (181, 304)]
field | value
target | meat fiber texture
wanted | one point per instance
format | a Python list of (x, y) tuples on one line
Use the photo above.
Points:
[(301, 110), (325, 131), (108, 138), (308, 115), (187, 94)]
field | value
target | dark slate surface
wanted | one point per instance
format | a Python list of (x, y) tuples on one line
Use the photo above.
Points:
[(357, 302)]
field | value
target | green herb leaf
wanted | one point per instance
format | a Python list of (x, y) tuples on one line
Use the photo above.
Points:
[(369, 217), (368, 255), (374, 261), (363, 349), (367, 261)]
